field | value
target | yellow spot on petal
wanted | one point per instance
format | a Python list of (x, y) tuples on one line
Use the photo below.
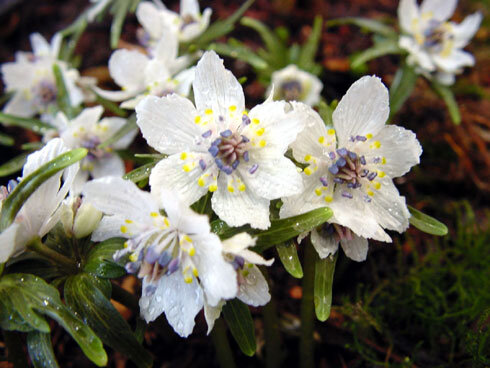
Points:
[(308, 171), (128, 221), (328, 199), (376, 185), (195, 272), (188, 279), (213, 188), (307, 158), (242, 187), (133, 257), (262, 143), (376, 144), (166, 222), (370, 193), (124, 229), (231, 189), (208, 111), (187, 238), (126, 244), (201, 182), (255, 121), (183, 155), (192, 251), (232, 108), (383, 160), (153, 214), (318, 191), (260, 131), (331, 131), (369, 136), (381, 174), (187, 168), (197, 119), (321, 139)]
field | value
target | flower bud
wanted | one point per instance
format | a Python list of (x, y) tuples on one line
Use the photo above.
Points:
[(86, 220)]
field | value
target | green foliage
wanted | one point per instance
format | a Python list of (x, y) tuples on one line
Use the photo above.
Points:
[(37, 126), (239, 320), (324, 271), (426, 223), (62, 95), (447, 96), (401, 88), (99, 260), (41, 350), (366, 24), (6, 140), (289, 258), (14, 165)]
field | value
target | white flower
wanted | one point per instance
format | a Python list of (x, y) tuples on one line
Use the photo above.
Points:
[(88, 132), (351, 169), (40, 211), (435, 44), (140, 75), (32, 80), (294, 84), (218, 147), (187, 25), (252, 285), (177, 256)]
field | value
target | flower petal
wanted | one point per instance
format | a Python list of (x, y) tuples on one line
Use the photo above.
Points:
[(109, 165), (113, 124), (465, 31), (109, 227), (356, 249), (211, 314), (18, 105), (325, 245), (408, 10), (149, 17), (440, 10), (456, 60), (363, 109), (13, 240), (255, 290), (417, 55), (127, 68)]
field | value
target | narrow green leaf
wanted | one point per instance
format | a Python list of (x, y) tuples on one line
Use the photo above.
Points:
[(32, 146), (119, 9), (426, 223), (370, 25), (37, 126), (325, 112), (324, 270), (379, 49), (62, 95), (402, 87), (111, 106), (239, 51), (141, 173), (6, 140), (40, 350), (127, 128), (447, 95), (25, 297), (288, 254), (14, 165), (308, 51), (240, 322), (100, 261), (27, 186), (84, 296)]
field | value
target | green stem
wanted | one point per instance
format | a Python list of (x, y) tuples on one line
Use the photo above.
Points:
[(306, 344), (38, 246), (125, 298), (221, 345), (273, 354), (16, 354)]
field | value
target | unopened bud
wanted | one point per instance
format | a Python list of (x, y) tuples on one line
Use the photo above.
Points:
[(86, 220)]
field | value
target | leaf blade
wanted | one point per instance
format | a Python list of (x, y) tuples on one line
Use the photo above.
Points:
[(324, 272), (288, 254), (426, 223), (240, 322), (40, 350)]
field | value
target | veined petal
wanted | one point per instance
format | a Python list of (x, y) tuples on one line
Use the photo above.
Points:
[(149, 17), (127, 68), (211, 314), (215, 87), (39, 45), (13, 240), (109, 165), (255, 290), (237, 243), (18, 105), (18, 75), (189, 7), (356, 249), (465, 31), (440, 10), (455, 61), (116, 196), (88, 117), (168, 123), (179, 301), (417, 55), (109, 227), (363, 110), (167, 47), (116, 95), (408, 10), (185, 79), (325, 245)]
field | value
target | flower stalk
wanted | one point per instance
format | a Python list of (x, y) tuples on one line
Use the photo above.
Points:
[(36, 245), (222, 346)]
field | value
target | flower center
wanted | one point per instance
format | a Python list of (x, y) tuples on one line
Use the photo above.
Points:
[(187, 20), (291, 90), (228, 150), (91, 143), (339, 232), (45, 93)]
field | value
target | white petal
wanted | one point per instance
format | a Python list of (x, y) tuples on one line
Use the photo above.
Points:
[(116, 95), (18, 76), (167, 123), (51, 150), (211, 314), (167, 47), (113, 124), (116, 196), (237, 243), (363, 109), (189, 7), (127, 68), (18, 105), (446, 79), (88, 117), (79, 181), (215, 87), (417, 55), (109, 227), (239, 208), (407, 12), (440, 10), (179, 301), (110, 165), (40, 46), (356, 249), (13, 240), (456, 60), (218, 278), (149, 17), (465, 31), (185, 79), (400, 148), (255, 290), (325, 245), (169, 175)]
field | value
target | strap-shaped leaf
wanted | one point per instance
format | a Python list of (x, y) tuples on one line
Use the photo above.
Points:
[(389, 46), (402, 87), (128, 127), (83, 294), (6, 140), (306, 59), (41, 350), (288, 254), (62, 94), (370, 25), (119, 10), (35, 125), (141, 173), (26, 298), (325, 111), (26, 187), (447, 96), (426, 223), (240, 51), (100, 260), (324, 270), (14, 165), (240, 322)]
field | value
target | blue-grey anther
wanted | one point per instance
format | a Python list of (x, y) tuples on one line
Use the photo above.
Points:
[(173, 266), (164, 259)]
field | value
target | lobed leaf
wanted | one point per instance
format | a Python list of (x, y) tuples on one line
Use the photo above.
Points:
[(100, 261)]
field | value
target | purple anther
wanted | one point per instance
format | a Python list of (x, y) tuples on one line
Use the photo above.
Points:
[(331, 155), (235, 164), (216, 142), (173, 266), (361, 138), (372, 175), (352, 138), (164, 259), (131, 267), (150, 289), (338, 180), (342, 151), (329, 229), (362, 159), (246, 156), (352, 155), (245, 119), (357, 185), (151, 256), (347, 195), (227, 169), (253, 169), (240, 261), (367, 199), (245, 139), (221, 118), (333, 169), (341, 162), (324, 181), (363, 173), (377, 160), (351, 185), (202, 164), (226, 133), (219, 163), (207, 133), (213, 150)]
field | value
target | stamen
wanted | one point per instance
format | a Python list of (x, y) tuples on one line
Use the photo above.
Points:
[(213, 150), (331, 155), (341, 162), (342, 151), (202, 164), (164, 259), (207, 134), (253, 169), (334, 169), (372, 175), (347, 195), (227, 133), (246, 156), (245, 119), (324, 181), (173, 266), (235, 164), (361, 138), (362, 159)]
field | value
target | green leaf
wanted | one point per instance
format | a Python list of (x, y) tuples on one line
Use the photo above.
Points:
[(388, 46), (26, 297), (370, 25), (41, 350), (447, 95), (240, 322), (127, 128), (239, 51), (325, 112), (84, 296), (27, 186), (100, 261), (308, 51), (37, 126), (62, 95), (119, 9), (402, 87), (288, 255), (324, 270), (14, 165), (6, 140), (111, 106), (141, 173), (426, 223)]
